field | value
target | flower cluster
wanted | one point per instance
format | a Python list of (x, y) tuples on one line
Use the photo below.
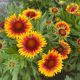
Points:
[(43, 43), (31, 42)]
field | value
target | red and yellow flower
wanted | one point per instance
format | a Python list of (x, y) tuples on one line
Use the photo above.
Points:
[(50, 64), (62, 28), (64, 49), (32, 13), (72, 8), (16, 27), (31, 44)]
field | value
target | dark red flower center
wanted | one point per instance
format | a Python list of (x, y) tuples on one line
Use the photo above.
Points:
[(62, 32), (50, 62), (0, 45), (54, 10), (18, 27), (31, 44), (31, 14), (60, 49), (73, 8)]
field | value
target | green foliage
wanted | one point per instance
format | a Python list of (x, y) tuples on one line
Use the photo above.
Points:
[(68, 78)]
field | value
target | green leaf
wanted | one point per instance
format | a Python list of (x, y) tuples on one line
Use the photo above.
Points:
[(15, 73), (26, 77), (78, 66), (68, 78), (5, 77), (35, 73), (77, 76), (14, 8)]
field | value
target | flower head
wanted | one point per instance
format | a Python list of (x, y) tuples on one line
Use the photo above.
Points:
[(31, 44), (64, 49), (50, 64), (72, 8), (53, 10), (32, 13), (16, 27), (62, 29)]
